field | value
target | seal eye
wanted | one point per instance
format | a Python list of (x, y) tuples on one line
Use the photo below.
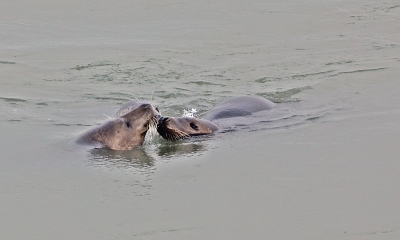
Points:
[(157, 109), (128, 125), (194, 126)]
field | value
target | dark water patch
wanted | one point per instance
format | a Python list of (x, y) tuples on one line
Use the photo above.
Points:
[(42, 104), (239, 53), (393, 7), (214, 76), (267, 79), (205, 83), (384, 8), (47, 103), (105, 98), (359, 71), (93, 65), (171, 75), (136, 69), (378, 46), (160, 92), (313, 118), (339, 62), (57, 80), (13, 100), (112, 99), (208, 93), (174, 95), (155, 232), (64, 125), (72, 125), (357, 17), (83, 125), (105, 78), (14, 120), (183, 89), (7, 62), (311, 74)]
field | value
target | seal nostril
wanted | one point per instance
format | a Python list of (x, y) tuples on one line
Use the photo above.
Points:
[(162, 120), (145, 105)]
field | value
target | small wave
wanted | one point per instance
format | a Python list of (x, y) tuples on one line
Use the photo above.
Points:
[(7, 62), (13, 100), (114, 99), (205, 83), (311, 74), (339, 63), (92, 65), (360, 70)]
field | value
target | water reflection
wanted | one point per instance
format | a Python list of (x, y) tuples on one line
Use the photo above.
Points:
[(157, 150), (146, 157), (137, 158), (178, 148)]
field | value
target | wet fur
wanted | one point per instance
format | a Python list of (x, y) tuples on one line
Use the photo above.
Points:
[(124, 132), (175, 128), (183, 127)]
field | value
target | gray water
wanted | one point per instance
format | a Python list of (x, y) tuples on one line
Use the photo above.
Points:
[(324, 164)]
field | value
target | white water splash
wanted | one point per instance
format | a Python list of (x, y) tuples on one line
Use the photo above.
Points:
[(151, 134), (189, 113)]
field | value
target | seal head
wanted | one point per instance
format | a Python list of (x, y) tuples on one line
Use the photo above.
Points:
[(175, 128), (124, 132)]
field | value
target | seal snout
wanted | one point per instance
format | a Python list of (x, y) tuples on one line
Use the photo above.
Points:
[(162, 120), (150, 108)]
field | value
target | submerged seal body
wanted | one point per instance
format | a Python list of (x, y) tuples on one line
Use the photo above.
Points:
[(174, 128), (238, 107), (125, 132)]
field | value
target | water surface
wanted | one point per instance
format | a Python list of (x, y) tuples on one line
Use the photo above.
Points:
[(322, 165)]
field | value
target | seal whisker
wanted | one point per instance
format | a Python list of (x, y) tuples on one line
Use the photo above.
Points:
[(112, 118), (176, 134), (151, 98), (137, 100)]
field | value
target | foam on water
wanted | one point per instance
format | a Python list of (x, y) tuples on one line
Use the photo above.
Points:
[(189, 113)]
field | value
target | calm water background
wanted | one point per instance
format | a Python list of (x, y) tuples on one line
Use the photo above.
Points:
[(324, 164)]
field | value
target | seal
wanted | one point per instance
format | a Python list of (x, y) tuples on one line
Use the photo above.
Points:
[(124, 132), (175, 128)]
